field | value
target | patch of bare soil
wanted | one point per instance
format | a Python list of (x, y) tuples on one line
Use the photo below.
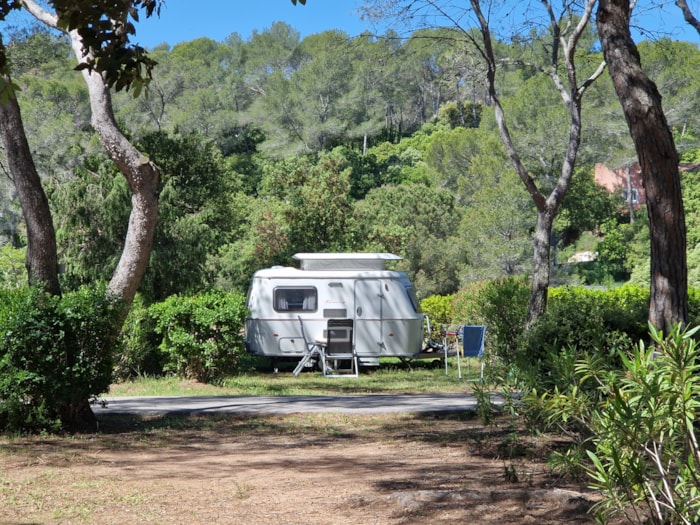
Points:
[(306, 469)]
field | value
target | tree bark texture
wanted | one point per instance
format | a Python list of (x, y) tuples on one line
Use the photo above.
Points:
[(539, 284), (142, 176), (658, 158), (42, 258)]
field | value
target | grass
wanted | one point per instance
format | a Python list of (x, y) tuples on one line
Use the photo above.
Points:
[(392, 377)]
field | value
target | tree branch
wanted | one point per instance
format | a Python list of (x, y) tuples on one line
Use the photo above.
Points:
[(41, 14), (688, 14)]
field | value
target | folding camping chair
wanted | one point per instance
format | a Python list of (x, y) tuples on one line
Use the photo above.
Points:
[(339, 357), (313, 348), (473, 343)]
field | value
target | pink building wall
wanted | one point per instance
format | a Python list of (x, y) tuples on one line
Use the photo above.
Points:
[(616, 181)]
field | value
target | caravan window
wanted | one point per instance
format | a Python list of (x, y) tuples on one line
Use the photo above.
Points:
[(412, 297), (295, 299)]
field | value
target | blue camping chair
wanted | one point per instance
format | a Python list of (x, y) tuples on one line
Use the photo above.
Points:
[(473, 343)]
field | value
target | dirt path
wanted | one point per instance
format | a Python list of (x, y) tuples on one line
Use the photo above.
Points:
[(313, 469)]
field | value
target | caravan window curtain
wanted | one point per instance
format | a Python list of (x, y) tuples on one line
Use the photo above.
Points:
[(295, 299)]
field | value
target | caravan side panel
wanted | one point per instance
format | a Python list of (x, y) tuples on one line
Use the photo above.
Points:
[(276, 304)]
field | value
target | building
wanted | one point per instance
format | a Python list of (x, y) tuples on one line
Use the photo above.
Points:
[(628, 180)]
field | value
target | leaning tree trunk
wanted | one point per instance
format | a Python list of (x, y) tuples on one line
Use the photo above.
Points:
[(142, 177), (658, 159), (140, 173), (42, 258)]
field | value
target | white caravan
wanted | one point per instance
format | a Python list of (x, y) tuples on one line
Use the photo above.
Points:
[(283, 301)]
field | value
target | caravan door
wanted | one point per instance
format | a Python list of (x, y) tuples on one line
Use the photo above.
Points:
[(369, 317)]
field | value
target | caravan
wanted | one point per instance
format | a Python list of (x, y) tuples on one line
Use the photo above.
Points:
[(290, 306)]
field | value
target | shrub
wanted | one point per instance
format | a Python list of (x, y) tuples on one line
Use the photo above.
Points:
[(13, 274), (693, 306), (581, 322), (438, 308), (55, 354), (139, 353), (503, 306), (635, 428), (465, 304), (646, 455), (201, 334)]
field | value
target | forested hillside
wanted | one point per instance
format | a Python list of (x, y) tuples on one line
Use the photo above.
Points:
[(276, 144)]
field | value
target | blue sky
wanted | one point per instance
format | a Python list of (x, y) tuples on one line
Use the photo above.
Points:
[(217, 19), (180, 21)]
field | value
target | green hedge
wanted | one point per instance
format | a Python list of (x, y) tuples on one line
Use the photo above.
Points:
[(500, 305), (55, 354), (201, 335), (140, 354), (578, 320)]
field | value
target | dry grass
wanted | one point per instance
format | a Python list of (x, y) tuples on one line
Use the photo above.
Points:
[(298, 469)]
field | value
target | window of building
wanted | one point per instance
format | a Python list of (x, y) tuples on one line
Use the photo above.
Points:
[(635, 196)]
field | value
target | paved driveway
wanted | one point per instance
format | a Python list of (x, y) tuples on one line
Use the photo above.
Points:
[(351, 404)]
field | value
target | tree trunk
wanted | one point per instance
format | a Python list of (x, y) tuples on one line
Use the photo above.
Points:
[(571, 94), (658, 158), (140, 173), (42, 258), (539, 286)]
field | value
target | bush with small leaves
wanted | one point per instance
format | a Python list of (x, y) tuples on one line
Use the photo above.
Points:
[(438, 308), (201, 335), (55, 354), (139, 354)]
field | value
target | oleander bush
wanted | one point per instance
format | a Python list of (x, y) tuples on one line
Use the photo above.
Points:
[(645, 456), (635, 428)]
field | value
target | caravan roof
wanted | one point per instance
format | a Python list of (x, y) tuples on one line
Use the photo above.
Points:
[(345, 261)]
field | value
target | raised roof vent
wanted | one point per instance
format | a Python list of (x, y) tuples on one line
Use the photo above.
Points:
[(345, 261)]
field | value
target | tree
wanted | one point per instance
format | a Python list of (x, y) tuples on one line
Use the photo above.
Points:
[(194, 210), (675, 69), (317, 197), (91, 211), (498, 227), (573, 218), (563, 34), (305, 108), (41, 258), (99, 34), (658, 158), (100, 41), (417, 222), (565, 40)]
